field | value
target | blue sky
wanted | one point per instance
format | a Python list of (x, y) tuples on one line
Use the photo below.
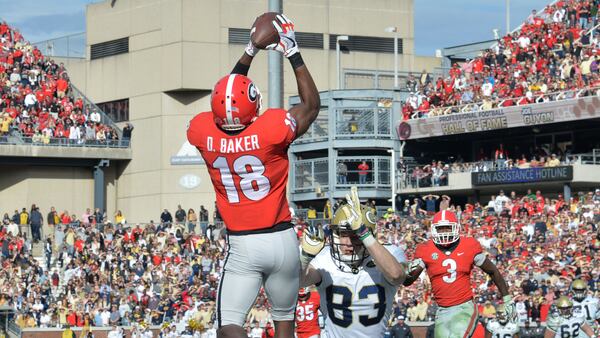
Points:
[(438, 23)]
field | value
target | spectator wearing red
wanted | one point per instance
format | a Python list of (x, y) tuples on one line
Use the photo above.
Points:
[(363, 170)]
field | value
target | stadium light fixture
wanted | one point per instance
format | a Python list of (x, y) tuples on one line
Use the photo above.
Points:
[(395, 31), (337, 58)]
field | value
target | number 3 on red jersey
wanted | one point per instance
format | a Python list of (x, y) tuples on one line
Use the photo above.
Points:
[(451, 276), (252, 183)]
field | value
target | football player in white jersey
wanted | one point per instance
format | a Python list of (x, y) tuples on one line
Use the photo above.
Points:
[(563, 323), (356, 276), (501, 327), (584, 304)]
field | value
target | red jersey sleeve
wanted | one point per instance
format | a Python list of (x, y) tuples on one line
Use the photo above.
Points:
[(420, 251), (281, 125)]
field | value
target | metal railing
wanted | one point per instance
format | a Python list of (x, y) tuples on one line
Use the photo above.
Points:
[(72, 46), (382, 79), (311, 175), (408, 179), (13, 328), (15, 139), (363, 122), (90, 107), (483, 106), (318, 130), (377, 176)]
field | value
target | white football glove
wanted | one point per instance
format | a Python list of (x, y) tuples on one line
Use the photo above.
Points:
[(415, 264), (510, 309), (251, 50), (313, 240), (287, 44), (353, 214)]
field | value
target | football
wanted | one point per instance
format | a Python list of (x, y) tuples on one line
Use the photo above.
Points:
[(263, 33)]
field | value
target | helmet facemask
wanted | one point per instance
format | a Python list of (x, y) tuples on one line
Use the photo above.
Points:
[(501, 315), (347, 249), (445, 233)]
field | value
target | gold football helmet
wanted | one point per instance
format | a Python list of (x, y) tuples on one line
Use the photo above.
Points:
[(579, 290), (564, 306), (501, 314), (350, 260)]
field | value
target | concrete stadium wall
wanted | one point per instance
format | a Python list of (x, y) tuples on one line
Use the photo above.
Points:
[(65, 188)]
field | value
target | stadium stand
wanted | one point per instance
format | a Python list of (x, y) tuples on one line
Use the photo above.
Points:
[(552, 56), (101, 272), (39, 105)]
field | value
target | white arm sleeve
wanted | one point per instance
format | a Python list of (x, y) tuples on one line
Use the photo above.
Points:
[(479, 259)]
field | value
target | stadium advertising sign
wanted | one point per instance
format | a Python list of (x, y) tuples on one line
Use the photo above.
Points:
[(529, 175), (506, 117)]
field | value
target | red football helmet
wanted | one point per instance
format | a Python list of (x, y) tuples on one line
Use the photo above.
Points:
[(445, 218), (235, 102), (303, 292)]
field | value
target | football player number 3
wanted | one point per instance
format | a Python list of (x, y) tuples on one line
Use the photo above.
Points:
[(253, 184), (451, 265)]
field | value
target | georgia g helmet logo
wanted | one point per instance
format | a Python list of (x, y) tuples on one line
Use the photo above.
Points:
[(252, 92)]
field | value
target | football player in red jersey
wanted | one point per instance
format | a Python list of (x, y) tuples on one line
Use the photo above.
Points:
[(246, 157), (307, 314), (449, 259)]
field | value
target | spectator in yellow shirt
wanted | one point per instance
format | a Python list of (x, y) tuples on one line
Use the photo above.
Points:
[(553, 162), (24, 217)]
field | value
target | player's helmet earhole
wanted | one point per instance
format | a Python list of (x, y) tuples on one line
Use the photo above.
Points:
[(233, 101), (222, 101), (242, 92), (244, 82)]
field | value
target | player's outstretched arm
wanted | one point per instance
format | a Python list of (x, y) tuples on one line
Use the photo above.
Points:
[(308, 109), (310, 102), (393, 270), (509, 305), (491, 269), (243, 65)]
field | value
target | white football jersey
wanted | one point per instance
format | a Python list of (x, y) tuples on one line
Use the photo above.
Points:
[(566, 327), (355, 305), (588, 308), (502, 331)]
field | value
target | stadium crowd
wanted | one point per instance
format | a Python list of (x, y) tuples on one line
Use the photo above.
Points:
[(552, 56), (103, 271), (37, 101)]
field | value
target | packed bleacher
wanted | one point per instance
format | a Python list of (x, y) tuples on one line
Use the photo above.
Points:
[(37, 102), (552, 56), (97, 270)]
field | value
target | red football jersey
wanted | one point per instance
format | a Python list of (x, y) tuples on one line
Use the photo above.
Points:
[(307, 316), (450, 272), (249, 171)]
